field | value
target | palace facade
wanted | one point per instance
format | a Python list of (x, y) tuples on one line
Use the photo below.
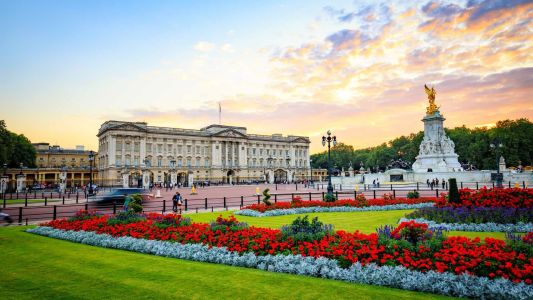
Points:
[(135, 154)]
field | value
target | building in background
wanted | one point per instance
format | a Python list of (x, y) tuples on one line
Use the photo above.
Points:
[(51, 162), (131, 153)]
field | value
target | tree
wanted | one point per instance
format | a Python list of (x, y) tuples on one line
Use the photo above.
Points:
[(15, 148), (472, 146)]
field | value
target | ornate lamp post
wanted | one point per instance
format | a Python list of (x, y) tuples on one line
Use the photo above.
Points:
[(311, 166), (329, 139), (288, 159), (269, 163), (91, 159), (495, 146)]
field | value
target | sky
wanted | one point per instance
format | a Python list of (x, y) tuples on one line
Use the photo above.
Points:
[(296, 67)]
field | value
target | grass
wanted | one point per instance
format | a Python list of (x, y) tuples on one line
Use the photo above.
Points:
[(21, 201), (35, 267), (366, 222)]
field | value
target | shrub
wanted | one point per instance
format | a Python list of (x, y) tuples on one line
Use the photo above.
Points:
[(168, 220), (125, 217), (84, 215), (453, 194), (296, 201), (521, 244), (266, 197), (388, 196), (303, 230), (413, 195), (135, 204), (361, 200), (474, 215), (224, 224), (330, 198), (412, 232)]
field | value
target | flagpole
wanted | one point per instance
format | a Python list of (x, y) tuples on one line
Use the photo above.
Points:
[(219, 113)]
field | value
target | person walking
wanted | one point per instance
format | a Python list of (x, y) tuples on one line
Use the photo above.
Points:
[(427, 181), (443, 183), (175, 201)]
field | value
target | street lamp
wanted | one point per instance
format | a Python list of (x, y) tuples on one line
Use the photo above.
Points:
[(21, 166), (288, 159), (91, 159), (5, 169), (329, 139), (495, 146), (269, 163), (311, 166)]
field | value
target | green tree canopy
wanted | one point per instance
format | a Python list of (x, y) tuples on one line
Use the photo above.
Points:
[(472, 146), (15, 148)]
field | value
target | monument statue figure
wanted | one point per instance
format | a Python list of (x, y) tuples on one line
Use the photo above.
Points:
[(432, 108), (437, 151)]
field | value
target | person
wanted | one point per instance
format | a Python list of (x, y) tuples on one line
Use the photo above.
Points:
[(127, 200), (180, 201), (374, 183), (427, 181), (443, 183), (175, 202), (377, 182)]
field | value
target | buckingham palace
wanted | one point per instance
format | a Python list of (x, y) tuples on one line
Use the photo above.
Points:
[(135, 154)]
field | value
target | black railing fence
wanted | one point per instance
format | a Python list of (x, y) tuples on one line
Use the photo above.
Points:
[(53, 205)]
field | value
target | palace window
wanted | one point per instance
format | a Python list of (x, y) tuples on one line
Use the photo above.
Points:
[(159, 161), (136, 161), (148, 147), (179, 149), (180, 162), (119, 145), (118, 161), (189, 148), (207, 162), (127, 161), (137, 147), (197, 150), (159, 148), (197, 162), (188, 162)]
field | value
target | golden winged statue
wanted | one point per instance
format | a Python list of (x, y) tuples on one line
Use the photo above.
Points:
[(432, 108)]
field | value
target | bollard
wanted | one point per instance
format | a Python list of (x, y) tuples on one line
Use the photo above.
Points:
[(417, 188), (186, 205), (477, 185), (374, 194), (258, 199), (309, 196), (509, 184), (45, 201), (164, 205), (393, 194), (242, 201), (276, 186), (493, 184), (275, 198), (224, 201), (205, 204), (322, 196), (86, 206), (197, 210), (17, 195), (114, 207), (63, 200), (296, 186), (391, 187), (212, 209), (42, 195), (337, 195), (354, 195), (26, 196), (340, 187), (26, 202), (523, 184), (437, 193), (76, 198), (20, 215), (461, 184), (292, 196), (55, 212)]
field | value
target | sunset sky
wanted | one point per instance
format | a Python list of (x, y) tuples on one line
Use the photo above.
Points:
[(292, 67)]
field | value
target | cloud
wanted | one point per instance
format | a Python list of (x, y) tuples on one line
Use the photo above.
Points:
[(203, 46), (227, 48)]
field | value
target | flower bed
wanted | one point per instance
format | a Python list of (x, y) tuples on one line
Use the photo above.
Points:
[(474, 215), (411, 246), (513, 198), (317, 209), (481, 227), (297, 202), (390, 276)]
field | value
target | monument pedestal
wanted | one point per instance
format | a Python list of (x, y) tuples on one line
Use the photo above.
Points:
[(437, 151), (21, 182)]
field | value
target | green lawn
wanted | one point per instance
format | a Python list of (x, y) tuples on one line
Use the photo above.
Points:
[(35, 267), (19, 201), (366, 222)]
